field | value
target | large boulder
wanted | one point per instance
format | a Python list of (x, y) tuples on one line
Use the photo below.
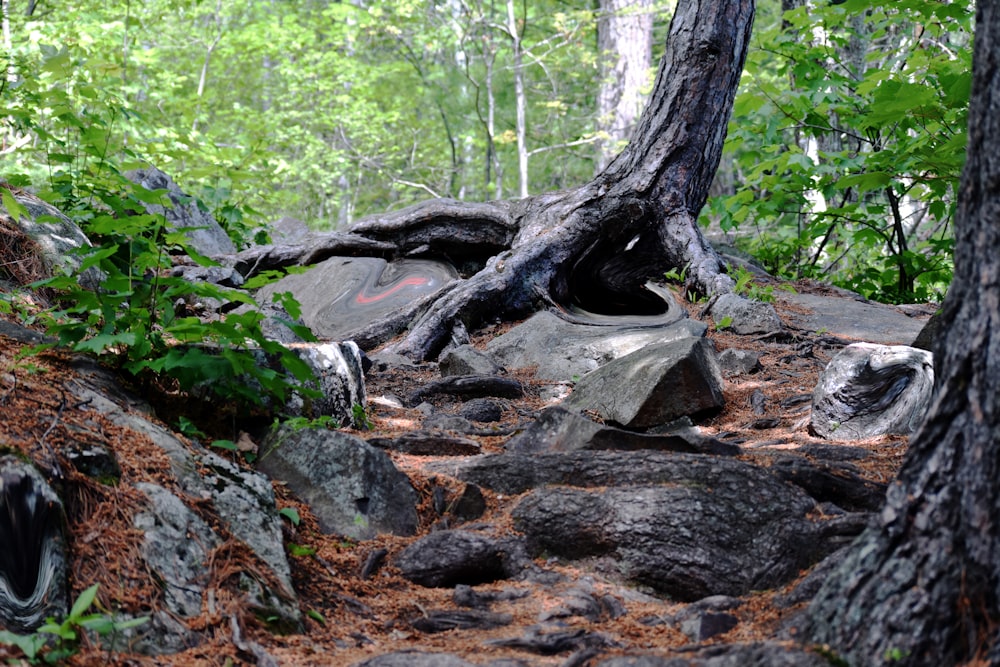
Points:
[(562, 350), (204, 234), (687, 525), (341, 296), (448, 558), (868, 390), (653, 386), (340, 381), (353, 488), (687, 540)]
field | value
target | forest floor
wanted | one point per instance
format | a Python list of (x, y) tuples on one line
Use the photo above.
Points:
[(348, 618)]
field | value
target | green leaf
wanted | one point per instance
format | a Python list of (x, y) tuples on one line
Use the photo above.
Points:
[(83, 602), (291, 514), (30, 645), (14, 208), (873, 180), (101, 342)]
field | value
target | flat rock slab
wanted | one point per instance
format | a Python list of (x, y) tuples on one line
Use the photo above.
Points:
[(563, 350), (851, 317), (560, 430), (341, 296)]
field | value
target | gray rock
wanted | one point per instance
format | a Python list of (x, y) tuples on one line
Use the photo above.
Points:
[(687, 540), (482, 410), (353, 488), (745, 316), (654, 385), (869, 390), (203, 232), (448, 558), (177, 545), (57, 240), (341, 296), (422, 443), (706, 624), (443, 620), (341, 381), (217, 275), (469, 506), (468, 386), (466, 360), (707, 618), (560, 430), (849, 315), (733, 362), (763, 654), (414, 659), (564, 350), (289, 231), (927, 337), (245, 500), (33, 566)]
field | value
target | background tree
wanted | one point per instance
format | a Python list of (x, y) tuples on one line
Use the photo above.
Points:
[(625, 50), (922, 585), (848, 137)]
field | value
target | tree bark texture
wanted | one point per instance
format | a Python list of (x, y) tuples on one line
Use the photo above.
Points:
[(922, 585), (595, 246), (625, 47)]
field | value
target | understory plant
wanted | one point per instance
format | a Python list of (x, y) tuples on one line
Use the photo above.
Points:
[(56, 641), (137, 319)]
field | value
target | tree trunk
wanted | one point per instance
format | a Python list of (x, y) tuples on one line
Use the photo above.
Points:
[(625, 47), (922, 584), (593, 247)]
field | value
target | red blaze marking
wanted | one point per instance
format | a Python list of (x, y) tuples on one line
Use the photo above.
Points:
[(412, 280)]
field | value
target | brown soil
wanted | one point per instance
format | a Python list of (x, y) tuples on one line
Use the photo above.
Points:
[(348, 618)]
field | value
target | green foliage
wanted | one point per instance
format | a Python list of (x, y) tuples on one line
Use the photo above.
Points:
[(132, 319), (322, 110), (54, 642), (291, 514), (745, 286), (360, 417), (849, 136), (86, 135)]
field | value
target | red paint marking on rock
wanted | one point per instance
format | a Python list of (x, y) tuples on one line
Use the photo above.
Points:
[(412, 280)]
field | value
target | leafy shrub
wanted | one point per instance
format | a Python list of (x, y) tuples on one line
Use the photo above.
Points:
[(848, 138), (132, 319)]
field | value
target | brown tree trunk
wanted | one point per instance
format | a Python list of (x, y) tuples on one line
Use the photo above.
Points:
[(625, 47), (594, 246), (922, 585)]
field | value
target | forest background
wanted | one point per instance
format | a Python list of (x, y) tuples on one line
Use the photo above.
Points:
[(841, 164)]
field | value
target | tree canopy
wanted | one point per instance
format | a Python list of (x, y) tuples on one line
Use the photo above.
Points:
[(841, 164)]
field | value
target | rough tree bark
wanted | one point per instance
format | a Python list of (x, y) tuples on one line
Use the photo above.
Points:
[(922, 585), (595, 246), (625, 46)]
